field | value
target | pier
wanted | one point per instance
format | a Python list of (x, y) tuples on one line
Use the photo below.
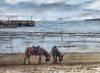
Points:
[(16, 23)]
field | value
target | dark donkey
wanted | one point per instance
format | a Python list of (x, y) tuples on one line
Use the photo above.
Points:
[(30, 51), (56, 53)]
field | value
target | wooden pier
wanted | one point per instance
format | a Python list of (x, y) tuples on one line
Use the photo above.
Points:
[(16, 23)]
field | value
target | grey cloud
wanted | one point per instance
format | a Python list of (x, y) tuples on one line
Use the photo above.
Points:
[(45, 7), (11, 16), (56, 10)]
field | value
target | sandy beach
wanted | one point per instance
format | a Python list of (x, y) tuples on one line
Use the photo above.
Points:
[(72, 63)]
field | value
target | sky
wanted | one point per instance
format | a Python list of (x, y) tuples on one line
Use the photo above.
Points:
[(49, 10)]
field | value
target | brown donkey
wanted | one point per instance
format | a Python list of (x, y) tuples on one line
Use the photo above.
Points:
[(56, 53), (30, 51)]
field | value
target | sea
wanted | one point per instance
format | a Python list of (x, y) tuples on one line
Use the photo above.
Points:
[(68, 36)]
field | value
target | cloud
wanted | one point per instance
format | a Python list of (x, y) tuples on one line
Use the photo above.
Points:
[(52, 11), (49, 9), (95, 5), (76, 2), (72, 2), (14, 2), (79, 18), (2, 8), (55, 1)]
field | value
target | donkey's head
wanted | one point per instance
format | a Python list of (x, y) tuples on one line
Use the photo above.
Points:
[(54, 47), (61, 58), (48, 58)]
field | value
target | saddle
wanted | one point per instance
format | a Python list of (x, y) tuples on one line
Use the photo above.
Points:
[(35, 50)]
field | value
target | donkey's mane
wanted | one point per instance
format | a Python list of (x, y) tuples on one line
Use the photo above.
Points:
[(56, 50)]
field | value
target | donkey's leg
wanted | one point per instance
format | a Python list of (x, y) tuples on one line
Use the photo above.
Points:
[(25, 59), (54, 59), (39, 60), (29, 59), (40, 56)]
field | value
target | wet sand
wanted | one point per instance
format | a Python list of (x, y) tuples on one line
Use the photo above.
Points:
[(72, 63)]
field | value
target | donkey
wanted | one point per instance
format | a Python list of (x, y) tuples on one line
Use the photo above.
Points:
[(56, 53), (30, 51)]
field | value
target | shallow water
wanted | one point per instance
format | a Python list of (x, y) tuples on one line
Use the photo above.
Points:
[(18, 39)]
